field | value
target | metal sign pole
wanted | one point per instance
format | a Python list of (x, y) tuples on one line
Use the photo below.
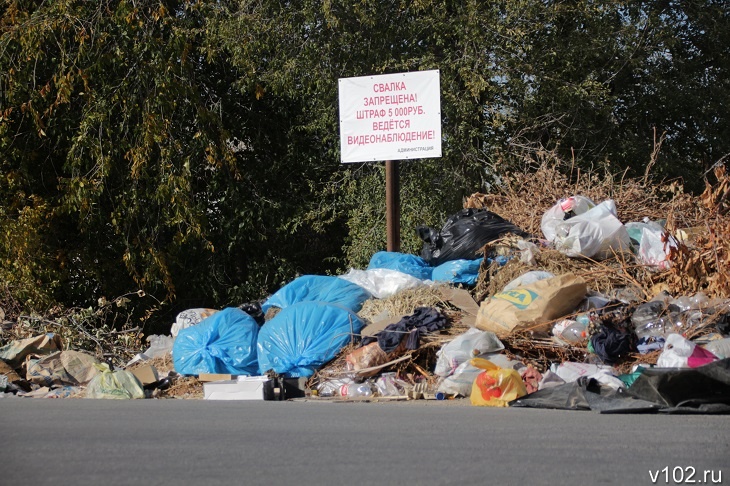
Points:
[(392, 204)]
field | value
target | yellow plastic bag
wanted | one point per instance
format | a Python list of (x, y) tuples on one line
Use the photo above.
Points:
[(120, 384), (495, 386)]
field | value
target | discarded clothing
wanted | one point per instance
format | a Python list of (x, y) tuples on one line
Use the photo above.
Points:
[(611, 344), (423, 320), (648, 344)]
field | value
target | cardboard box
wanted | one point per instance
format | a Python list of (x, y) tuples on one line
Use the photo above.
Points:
[(243, 388), (203, 377), (146, 374)]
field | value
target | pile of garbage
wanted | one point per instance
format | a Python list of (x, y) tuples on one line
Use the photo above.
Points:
[(606, 299)]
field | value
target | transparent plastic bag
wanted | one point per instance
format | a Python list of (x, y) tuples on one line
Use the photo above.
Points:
[(119, 385), (464, 347), (553, 217), (594, 234), (495, 386)]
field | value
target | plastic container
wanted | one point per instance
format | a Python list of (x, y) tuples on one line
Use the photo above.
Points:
[(646, 319), (560, 326), (387, 385), (572, 331), (719, 347), (575, 205), (331, 388), (654, 319), (577, 332), (699, 301), (354, 390)]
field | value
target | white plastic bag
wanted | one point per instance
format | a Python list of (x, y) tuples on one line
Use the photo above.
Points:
[(389, 385), (383, 282), (529, 252), (188, 318), (554, 216), (680, 352), (160, 345), (593, 234), (464, 347), (460, 382), (655, 244), (570, 371)]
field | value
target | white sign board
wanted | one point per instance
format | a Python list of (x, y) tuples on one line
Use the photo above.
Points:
[(390, 117)]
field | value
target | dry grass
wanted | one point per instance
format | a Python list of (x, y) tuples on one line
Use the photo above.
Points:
[(604, 276), (701, 264), (404, 302), (525, 196), (187, 387)]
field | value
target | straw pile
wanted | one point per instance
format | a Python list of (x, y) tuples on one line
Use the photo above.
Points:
[(701, 263)]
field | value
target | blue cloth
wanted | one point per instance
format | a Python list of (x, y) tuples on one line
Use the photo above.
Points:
[(222, 343), (318, 288), (304, 336)]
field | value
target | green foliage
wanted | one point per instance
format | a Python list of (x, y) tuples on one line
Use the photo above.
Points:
[(191, 148)]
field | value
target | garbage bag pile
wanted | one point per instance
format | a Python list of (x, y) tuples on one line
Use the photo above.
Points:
[(588, 305)]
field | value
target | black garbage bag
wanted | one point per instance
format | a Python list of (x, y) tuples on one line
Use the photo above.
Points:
[(463, 235)]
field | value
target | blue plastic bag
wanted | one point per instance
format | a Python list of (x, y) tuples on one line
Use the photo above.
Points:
[(412, 265), (304, 336), (458, 271), (222, 343), (318, 288)]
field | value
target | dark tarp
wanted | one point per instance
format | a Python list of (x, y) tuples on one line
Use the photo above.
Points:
[(680, 390), (585, 394), (703, 390)]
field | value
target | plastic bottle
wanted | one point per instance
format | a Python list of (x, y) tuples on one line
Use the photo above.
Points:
[(647, 319), (576, 332), (683, 302), (655, 319), (699, 301), (575, 205), (560, 326), (331, 388), (354, 390)]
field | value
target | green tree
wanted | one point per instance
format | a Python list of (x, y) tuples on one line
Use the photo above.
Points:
[(135, 157), (191, 148)]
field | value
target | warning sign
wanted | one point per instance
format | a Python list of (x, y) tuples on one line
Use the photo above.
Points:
[(390, 117)]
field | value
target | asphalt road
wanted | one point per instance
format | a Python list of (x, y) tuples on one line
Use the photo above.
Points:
[(197, 442)]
